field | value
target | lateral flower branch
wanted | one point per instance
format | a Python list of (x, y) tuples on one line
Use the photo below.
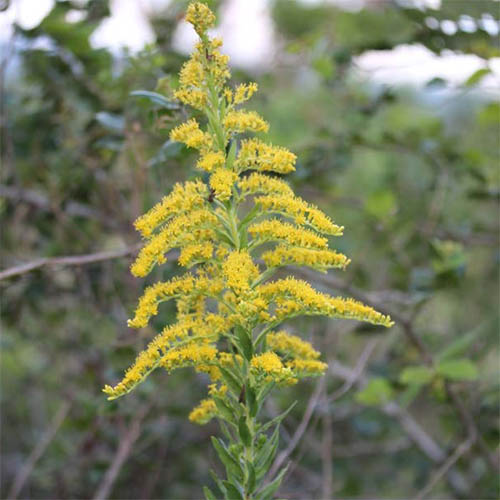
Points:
[(234, 234)]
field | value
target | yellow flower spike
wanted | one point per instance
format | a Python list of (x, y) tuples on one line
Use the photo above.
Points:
[(183, 198), (190, 134), (244, 121), (148, 303), (316, 259), (257, 155), (244, 92), (295, 297), (200, 16), (291, 345), (239, 270), (211, 161), (226, 303), (300, 211), (194, 253), (263, 184), (204, 412), (270, 366), (307, 367), (275, 230), (188, 228), (222, 182), (191, 355), (192, 74)]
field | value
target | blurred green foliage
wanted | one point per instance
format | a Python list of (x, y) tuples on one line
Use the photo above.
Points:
[(413, 176)]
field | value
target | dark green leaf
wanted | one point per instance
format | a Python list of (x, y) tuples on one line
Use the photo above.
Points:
[(230, 380), (155, 98), (208, 493), (233, 493), (268, 491), (244, 432), (477, 76), (416, 375), (458, 369), (232, 466)]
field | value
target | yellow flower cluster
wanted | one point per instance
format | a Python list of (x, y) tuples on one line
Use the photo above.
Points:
[(200, 16), (227, 293), (192, 136), (291, 345), (239, 270), (183, 198), (244, 121), (195, 253), (191, 355), (293, 297), (192, 74), (244, 92), (261, 183), (275, 230), (317, 259), (198, 99), (211, 160), (150, 358), (257, 155), (180, 231), (300, 211), (159, 292), (204, 412), (307, 367), (222, 182), (271, 367)]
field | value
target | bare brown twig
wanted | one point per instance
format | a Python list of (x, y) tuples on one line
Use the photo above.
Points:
[(47, 437), (121, 455), (462, 411), (71, 260), (311, 405), (442, 471)]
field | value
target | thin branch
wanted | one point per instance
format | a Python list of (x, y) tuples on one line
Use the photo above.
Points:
[(424, 442), (39, 200), (70, 260), (39, 450), (121, 455), (357, 372), (462, 411), (443, 470), (311, 405)]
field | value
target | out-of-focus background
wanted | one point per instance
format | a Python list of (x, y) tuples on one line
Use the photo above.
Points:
[(392, 108)]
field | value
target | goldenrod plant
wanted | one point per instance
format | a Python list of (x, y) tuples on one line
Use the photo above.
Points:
[(234, 234)]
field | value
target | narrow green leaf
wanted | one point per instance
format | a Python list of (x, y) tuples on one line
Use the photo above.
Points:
[(232, 467), (251, 478), (155, 98), (278, 419), (268, 491), (231, 155), (266, 453), (245, 342), (244, 432), (230, 380), (376, 392), (208, 493), (458, 369), (233, 493), (459, 346), (224, 409), (252, 401), (264, 392), (477, 76), (418, 375), (218, 482)]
